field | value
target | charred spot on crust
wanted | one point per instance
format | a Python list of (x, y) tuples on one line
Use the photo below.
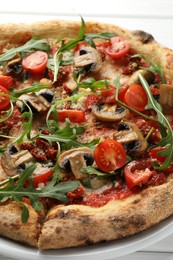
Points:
[(58, 230), (137, 221), (85, 219), (89, 242), (60, 214), (144, 36)]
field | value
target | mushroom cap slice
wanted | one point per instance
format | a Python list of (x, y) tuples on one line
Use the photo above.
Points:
[(75, 160), (132, 138), (134, 79), (11, 162), (166, 97), (109, 113), (89, 56)]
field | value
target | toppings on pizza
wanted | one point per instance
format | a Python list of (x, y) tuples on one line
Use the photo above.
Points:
[(13, 161), (75, 160), (131, 137), (89, 59), (109, 112), (86, 122)]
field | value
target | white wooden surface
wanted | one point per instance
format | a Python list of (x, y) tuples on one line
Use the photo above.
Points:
[(153, 16)]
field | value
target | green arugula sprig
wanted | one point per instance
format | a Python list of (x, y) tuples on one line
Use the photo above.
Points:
[(34, 88), (8, 113), (52, 124), (27, 125), (69, 45), (91, 83), (165, 128), (92, 171), (155, 68), (67, 137), (15, 191), (116, 83), (33, 44)]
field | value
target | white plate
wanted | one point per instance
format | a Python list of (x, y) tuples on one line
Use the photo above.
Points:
[(101, 251)]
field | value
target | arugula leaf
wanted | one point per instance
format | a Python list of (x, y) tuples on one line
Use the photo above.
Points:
[(165, 128), (92, 83), (26, 125), (92, 171), (53, 124), (156, 68), (117, 85), (57, 63), (8, 113), (57, 60), (68, 140), (34, 88), (33, 44), (91, 36), (17, 190)]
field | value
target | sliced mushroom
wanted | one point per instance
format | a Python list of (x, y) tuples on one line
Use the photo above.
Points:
[(131, 137), (36, 102), (13, 161), (166, 97), (13, 67), (109, 113), (134, 79), (89, 58), (75, 159), (47, 94)]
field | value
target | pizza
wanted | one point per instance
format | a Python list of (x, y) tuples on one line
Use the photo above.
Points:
[(85, 133)]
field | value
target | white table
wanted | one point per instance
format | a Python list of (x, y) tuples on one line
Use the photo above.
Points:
[(153, 16)]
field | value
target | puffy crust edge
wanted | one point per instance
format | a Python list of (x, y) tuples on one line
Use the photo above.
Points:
[(76, 225), (141, 42), (12, 227)]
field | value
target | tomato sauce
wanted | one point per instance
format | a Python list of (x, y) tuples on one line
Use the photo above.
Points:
[(98, 200)]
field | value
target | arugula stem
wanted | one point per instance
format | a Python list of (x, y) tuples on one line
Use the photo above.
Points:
[(149, 133), (16, 177), (136, 112)]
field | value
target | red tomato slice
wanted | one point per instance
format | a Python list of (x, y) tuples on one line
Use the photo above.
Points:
[(138, 172), (117, 47), (154, 154), (6, 81), (4, 101), (160, 158), (109, 155), (109, 94), (42, 178), (35, 62), (136, 97), (75, 116), (92, 99)]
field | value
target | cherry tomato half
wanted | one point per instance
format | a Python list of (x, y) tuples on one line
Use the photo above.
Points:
[(109, 94), (138, 172), (6, 81), (42, 178), (75, 116), (4, 101), (93, 99), (35, 62), (154, 153), (109, 155), (117, 47), (136, 97)]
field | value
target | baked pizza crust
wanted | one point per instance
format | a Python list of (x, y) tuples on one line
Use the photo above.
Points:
[(12, 227), (76, 225)]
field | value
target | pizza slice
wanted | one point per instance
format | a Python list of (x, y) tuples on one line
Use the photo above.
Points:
[(86, 128)]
